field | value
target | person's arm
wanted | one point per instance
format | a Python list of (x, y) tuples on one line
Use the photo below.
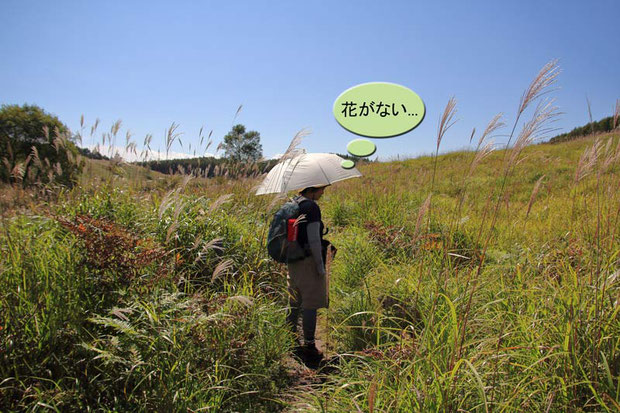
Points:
[(314, 242)]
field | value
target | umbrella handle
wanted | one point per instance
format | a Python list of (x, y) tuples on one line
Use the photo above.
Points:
[(328, 266)]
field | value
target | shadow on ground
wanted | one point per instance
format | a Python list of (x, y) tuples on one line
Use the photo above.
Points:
[(323, 366)]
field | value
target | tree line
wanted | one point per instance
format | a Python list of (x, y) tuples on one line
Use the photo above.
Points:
[(604, 125), (210, 167)]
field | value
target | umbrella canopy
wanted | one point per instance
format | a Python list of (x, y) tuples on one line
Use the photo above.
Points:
[(305, 170)]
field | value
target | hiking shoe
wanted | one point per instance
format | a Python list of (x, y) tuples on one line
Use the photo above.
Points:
[(311, 352)]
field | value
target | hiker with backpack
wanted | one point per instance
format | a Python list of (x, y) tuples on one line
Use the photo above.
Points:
[(307, 278), (296, 238), (296, 235)]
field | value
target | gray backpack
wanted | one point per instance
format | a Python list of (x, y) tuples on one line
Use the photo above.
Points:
[(278, 245)]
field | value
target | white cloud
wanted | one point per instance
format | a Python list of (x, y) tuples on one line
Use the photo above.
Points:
[(139, 155)]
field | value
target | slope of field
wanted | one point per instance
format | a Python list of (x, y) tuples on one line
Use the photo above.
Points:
[(465, 283)]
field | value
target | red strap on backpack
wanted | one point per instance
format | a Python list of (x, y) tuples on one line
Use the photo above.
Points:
[(291, 230)]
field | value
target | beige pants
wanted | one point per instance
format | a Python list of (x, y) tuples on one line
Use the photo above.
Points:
[(307, 288)]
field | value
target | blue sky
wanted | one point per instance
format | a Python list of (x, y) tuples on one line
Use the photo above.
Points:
[(153, 63)]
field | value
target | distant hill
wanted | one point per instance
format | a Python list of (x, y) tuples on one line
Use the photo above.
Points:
[(603, 125)]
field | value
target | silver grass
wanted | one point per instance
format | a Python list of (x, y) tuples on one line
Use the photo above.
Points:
[(534, 129), (247, 301), (116, 126), (292, 150), (421, 212), (446, 121), (93, 128), (237, 113), (222, 199), (587, 161), (533, 195), (495, 124), (221, 268), (540, 86)]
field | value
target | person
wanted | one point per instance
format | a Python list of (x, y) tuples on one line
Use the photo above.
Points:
[(307, 278)]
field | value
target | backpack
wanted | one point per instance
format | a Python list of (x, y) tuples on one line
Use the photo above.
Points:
[(282, 246)]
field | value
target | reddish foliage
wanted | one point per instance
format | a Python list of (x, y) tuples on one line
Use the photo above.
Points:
[(108, 247), (399, 352), (390, 236), (400, 238)]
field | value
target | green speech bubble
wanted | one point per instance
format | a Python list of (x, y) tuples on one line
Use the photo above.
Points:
[(379, 109), (347, 164), (361, 147)]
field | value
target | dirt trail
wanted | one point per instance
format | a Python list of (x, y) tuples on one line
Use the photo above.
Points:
[(306, 376)]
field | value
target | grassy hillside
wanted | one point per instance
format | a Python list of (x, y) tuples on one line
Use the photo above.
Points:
[(458, 286)]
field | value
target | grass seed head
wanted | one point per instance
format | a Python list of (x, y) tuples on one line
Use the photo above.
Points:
[(533, 195), (541, 85), (446, 121)]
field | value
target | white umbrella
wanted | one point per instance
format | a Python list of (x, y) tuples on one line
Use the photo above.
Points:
[(305, 170)]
